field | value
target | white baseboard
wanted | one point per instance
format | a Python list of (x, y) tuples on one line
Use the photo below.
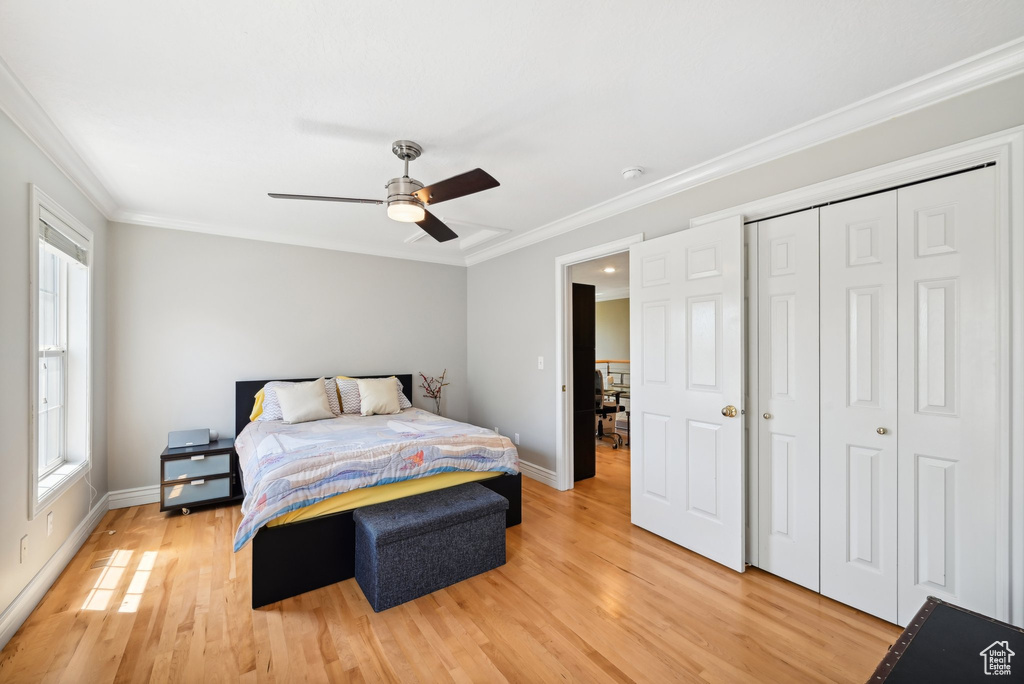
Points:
[(536, 472), (25, 602), (123, 498)]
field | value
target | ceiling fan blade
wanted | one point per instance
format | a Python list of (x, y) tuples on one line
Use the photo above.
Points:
[(323, 198), (436, 229), (464, 184)]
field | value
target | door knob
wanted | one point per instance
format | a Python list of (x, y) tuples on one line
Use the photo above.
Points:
[(767, 416), (729, 411), (881, 431)]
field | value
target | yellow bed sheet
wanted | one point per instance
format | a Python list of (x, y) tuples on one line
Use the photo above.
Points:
[(367, 496)]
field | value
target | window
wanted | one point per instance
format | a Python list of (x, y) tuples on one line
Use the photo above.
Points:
[(60, 384), (53, 358)]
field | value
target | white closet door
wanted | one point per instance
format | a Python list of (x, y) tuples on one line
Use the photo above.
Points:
[(858, 397), (787, 296), (686, 348), (751, 415), (949, 384)]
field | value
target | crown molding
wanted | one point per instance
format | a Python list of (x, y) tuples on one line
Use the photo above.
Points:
[(986, 68), (156, 221), (26, 113), (957, 157)]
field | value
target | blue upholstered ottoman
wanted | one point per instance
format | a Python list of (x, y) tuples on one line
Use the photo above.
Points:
[(410, 547)]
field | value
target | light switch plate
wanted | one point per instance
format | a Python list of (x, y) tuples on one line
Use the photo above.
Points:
[(540, 363)]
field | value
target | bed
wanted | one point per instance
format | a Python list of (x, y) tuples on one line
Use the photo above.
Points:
[(295, 557)]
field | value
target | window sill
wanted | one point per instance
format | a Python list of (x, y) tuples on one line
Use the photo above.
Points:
[(58, 482)]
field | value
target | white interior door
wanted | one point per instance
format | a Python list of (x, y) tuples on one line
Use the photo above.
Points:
[(787, 301), (858, 398), (951, 418), (686, 351)]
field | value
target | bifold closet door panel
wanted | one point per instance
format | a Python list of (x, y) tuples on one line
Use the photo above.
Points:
[(751, 416), (950, 425), (787, 295), (858, 403)]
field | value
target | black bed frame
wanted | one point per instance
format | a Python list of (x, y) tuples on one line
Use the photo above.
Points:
[(292, 559)]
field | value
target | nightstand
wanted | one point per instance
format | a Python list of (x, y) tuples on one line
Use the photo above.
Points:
[(199, 475)]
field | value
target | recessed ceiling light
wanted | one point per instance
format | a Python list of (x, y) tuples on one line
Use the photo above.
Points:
[(610, 269)]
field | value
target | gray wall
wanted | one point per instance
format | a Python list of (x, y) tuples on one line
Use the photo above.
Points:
[(611, 328), (22, 163), (190, 314), (509, 327)]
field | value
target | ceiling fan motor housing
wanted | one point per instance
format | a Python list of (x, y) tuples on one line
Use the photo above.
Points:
[(402, 189)]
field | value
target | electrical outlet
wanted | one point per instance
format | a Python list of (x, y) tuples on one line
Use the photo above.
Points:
[(517, 439), (49, 523), (540, 363), (24, 548), (497, 430)]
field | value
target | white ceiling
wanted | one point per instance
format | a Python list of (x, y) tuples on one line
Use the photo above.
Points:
[(609, 285), (189, 112)]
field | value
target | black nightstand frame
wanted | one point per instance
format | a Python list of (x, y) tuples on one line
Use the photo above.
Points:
[(221, 446)]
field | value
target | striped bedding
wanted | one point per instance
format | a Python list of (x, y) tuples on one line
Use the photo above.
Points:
[(286, 467)]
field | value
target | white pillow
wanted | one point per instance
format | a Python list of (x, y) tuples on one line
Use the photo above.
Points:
[(348, 388), (378, 396), (304, 401), (272, 407)]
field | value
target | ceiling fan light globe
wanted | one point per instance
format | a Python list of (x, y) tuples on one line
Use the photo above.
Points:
[(406, 211)]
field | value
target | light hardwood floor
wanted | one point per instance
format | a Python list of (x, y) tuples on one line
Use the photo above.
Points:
[(584, 596)]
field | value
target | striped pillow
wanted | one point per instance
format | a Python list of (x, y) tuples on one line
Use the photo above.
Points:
[(403, 402), (349, 391)]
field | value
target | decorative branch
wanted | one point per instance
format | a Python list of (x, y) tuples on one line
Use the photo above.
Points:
[(433, 388)]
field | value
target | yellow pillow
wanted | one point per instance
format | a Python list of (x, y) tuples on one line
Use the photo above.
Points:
[(257, 408)]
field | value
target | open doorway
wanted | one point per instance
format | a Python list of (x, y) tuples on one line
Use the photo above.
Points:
[(594, 356)]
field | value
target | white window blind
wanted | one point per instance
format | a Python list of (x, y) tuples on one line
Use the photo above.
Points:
[(61, 237)]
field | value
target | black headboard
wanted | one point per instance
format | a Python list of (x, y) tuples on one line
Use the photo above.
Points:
[(245, 393)]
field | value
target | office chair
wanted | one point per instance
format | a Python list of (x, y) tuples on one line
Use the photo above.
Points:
[(605, 409)]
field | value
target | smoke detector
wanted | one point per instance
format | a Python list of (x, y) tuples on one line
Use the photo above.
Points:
[(631, 172)]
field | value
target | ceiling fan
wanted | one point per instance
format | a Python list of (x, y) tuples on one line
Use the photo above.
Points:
[(408, 198)]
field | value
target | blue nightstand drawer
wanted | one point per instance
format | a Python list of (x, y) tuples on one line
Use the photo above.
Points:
[(197, 466), (196, 491)]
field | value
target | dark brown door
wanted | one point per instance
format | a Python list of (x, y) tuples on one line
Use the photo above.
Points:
[(584, 406)]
